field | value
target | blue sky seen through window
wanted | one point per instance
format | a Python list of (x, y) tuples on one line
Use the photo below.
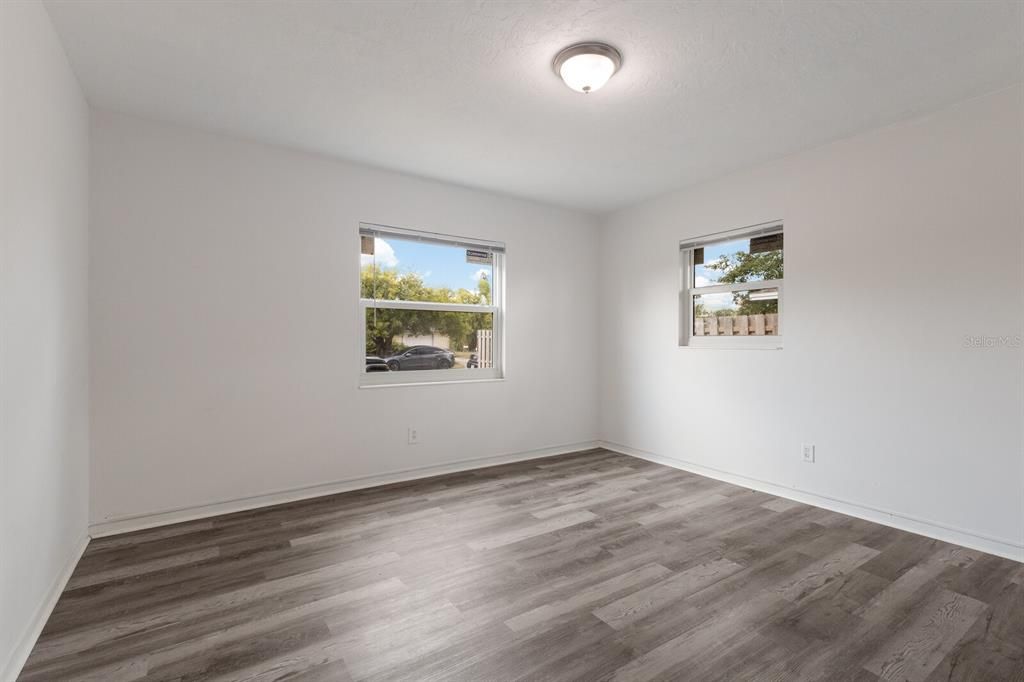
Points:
[(704, 276), (437, 265)]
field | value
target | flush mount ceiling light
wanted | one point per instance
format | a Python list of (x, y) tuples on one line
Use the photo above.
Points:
[(586, 67)]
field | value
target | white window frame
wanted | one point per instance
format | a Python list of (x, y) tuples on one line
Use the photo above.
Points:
[(687, 291), (497, 309)]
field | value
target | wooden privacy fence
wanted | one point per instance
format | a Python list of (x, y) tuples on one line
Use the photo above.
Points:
[(737, 325), (484, 348)]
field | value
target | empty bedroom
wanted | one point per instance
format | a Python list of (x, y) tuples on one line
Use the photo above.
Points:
[(541, 340)]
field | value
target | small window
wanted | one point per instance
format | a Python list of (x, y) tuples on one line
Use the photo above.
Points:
[(732, 289), (431, 306)]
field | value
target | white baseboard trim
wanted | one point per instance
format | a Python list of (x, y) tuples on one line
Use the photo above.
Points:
[(128, 524), (28, 638), (938, 531)]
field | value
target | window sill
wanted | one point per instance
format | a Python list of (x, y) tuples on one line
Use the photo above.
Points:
[(428, 381), (734, 344)]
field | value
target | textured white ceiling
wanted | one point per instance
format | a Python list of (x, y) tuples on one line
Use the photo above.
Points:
[(464, 92)]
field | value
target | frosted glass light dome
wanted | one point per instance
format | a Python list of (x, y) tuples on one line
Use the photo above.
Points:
[(586, 67)]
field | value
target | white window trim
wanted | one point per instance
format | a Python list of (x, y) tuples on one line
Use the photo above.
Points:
[(427, 305), (439, 376), (687, 291)]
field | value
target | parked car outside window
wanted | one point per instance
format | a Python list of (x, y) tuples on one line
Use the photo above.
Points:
[(421, 357)]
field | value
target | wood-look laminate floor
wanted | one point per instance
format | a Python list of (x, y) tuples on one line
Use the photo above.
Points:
[(589, 566)]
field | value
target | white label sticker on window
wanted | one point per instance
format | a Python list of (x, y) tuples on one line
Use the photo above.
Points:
[(478, 257)]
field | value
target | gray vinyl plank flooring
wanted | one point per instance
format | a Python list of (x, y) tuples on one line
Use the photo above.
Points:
[(588, 566)]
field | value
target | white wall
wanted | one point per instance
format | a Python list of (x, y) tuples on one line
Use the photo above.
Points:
[(899, 243), (44, 417), (225, 351)]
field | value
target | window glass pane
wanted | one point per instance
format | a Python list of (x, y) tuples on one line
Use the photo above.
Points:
[(405, 270), (738, 260), (737, 313), (404, 340)]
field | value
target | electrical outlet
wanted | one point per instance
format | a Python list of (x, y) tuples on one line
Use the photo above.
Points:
[(808, 452), (414, 436)]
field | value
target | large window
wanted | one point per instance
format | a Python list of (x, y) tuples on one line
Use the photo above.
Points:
[(431, 306), (732, 289)]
